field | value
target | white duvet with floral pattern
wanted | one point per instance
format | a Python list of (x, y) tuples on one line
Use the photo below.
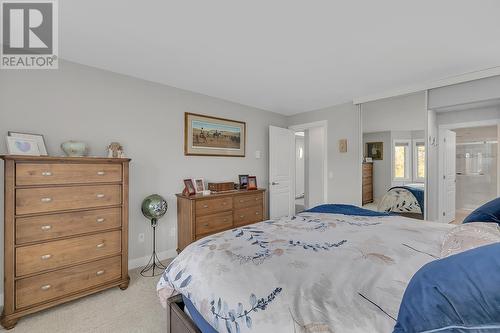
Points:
[(310, 273)]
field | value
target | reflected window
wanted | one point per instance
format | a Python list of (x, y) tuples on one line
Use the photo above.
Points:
[(419, 161), (401, 160)]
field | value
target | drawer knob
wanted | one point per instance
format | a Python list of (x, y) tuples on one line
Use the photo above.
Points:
[(98, 273), (46, 199), (46, 173), (241, 200), (256, 199), (101, 173), (46, 227), (242, 216), (225, 220), (205, 206), (46, 287), (224, 203), (100, 220), (100, 195), (46, 256), (99, 246), (205, 224), (257, 213)]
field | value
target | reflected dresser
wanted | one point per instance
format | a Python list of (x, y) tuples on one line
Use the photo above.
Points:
[(199, 216), (65, 230), (367, 183)]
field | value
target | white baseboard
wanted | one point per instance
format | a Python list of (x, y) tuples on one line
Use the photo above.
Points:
[(139, 262), (134, 263)]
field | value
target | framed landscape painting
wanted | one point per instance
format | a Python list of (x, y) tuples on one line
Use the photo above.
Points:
[(212, 136)]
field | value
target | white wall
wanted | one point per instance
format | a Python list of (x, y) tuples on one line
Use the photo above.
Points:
[(344, 169), (95, 106), (315, 167), (468, 92), (299, 165), (382, 177), (464, 116), (402, 113), (432, 186)]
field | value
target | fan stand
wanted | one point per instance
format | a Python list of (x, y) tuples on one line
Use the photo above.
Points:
[(154, 262)]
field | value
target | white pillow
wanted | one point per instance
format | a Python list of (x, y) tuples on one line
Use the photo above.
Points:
[(469, 236)]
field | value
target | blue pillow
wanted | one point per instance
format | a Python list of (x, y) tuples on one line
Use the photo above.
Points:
[(489, 212), (460, 293)]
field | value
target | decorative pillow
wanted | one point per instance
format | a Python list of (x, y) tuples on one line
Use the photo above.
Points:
[(469, 236), (454, 294), (489, 212)]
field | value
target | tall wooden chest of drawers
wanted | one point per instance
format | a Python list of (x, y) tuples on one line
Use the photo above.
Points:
[(65, 230), (199, 216), (367, 183)]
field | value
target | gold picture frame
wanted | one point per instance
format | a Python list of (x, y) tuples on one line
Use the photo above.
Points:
[(213, 136), (375, 150)]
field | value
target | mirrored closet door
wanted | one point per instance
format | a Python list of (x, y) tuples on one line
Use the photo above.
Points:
[(463, 152), (394, 156)]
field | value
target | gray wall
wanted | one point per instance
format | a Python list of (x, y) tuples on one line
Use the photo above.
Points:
[(344, 169), (382, 172), (463, 93), (95, 106)]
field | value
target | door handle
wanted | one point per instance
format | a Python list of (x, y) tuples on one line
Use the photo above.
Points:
[(275, 183)]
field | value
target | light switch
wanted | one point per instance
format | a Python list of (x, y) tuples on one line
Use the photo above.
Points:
[(257, 154)]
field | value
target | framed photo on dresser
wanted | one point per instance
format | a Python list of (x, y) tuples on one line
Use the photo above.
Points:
[(252, 183)]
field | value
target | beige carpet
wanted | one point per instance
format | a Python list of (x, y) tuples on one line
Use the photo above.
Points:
[(136, 309)]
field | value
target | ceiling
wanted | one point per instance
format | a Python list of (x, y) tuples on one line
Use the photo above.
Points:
[(286, 56)]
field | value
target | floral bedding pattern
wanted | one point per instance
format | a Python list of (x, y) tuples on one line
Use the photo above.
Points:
[(307, 273)]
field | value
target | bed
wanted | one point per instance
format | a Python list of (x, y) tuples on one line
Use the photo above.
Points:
[(406, 200), (336, 268)]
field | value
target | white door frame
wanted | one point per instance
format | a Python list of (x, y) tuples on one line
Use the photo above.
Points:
[(324, 125), (478, 123)]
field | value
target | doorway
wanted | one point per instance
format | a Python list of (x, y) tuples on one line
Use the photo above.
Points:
[(297, 168), (311, 187), (300, 172), (469, 165)]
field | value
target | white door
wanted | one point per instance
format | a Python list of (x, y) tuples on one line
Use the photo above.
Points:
[(447, 155), (281, 172)]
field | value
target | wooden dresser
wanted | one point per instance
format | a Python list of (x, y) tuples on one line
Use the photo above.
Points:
[(199, 216), (367, 183), (65, 231)]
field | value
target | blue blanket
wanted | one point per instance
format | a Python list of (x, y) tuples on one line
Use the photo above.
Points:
[(198, 319), (456, 294), (345, 210), (417, 191), (489, 212)]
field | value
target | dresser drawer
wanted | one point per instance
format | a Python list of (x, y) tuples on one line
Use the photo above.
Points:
[(52, 199), (41, 257), (211, 206), (213, 223), (243, 201), (47, 227), (248, 215), (48, 286), (57, 173)]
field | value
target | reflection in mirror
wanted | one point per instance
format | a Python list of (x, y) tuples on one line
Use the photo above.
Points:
[(463, 159), (394, 166)]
